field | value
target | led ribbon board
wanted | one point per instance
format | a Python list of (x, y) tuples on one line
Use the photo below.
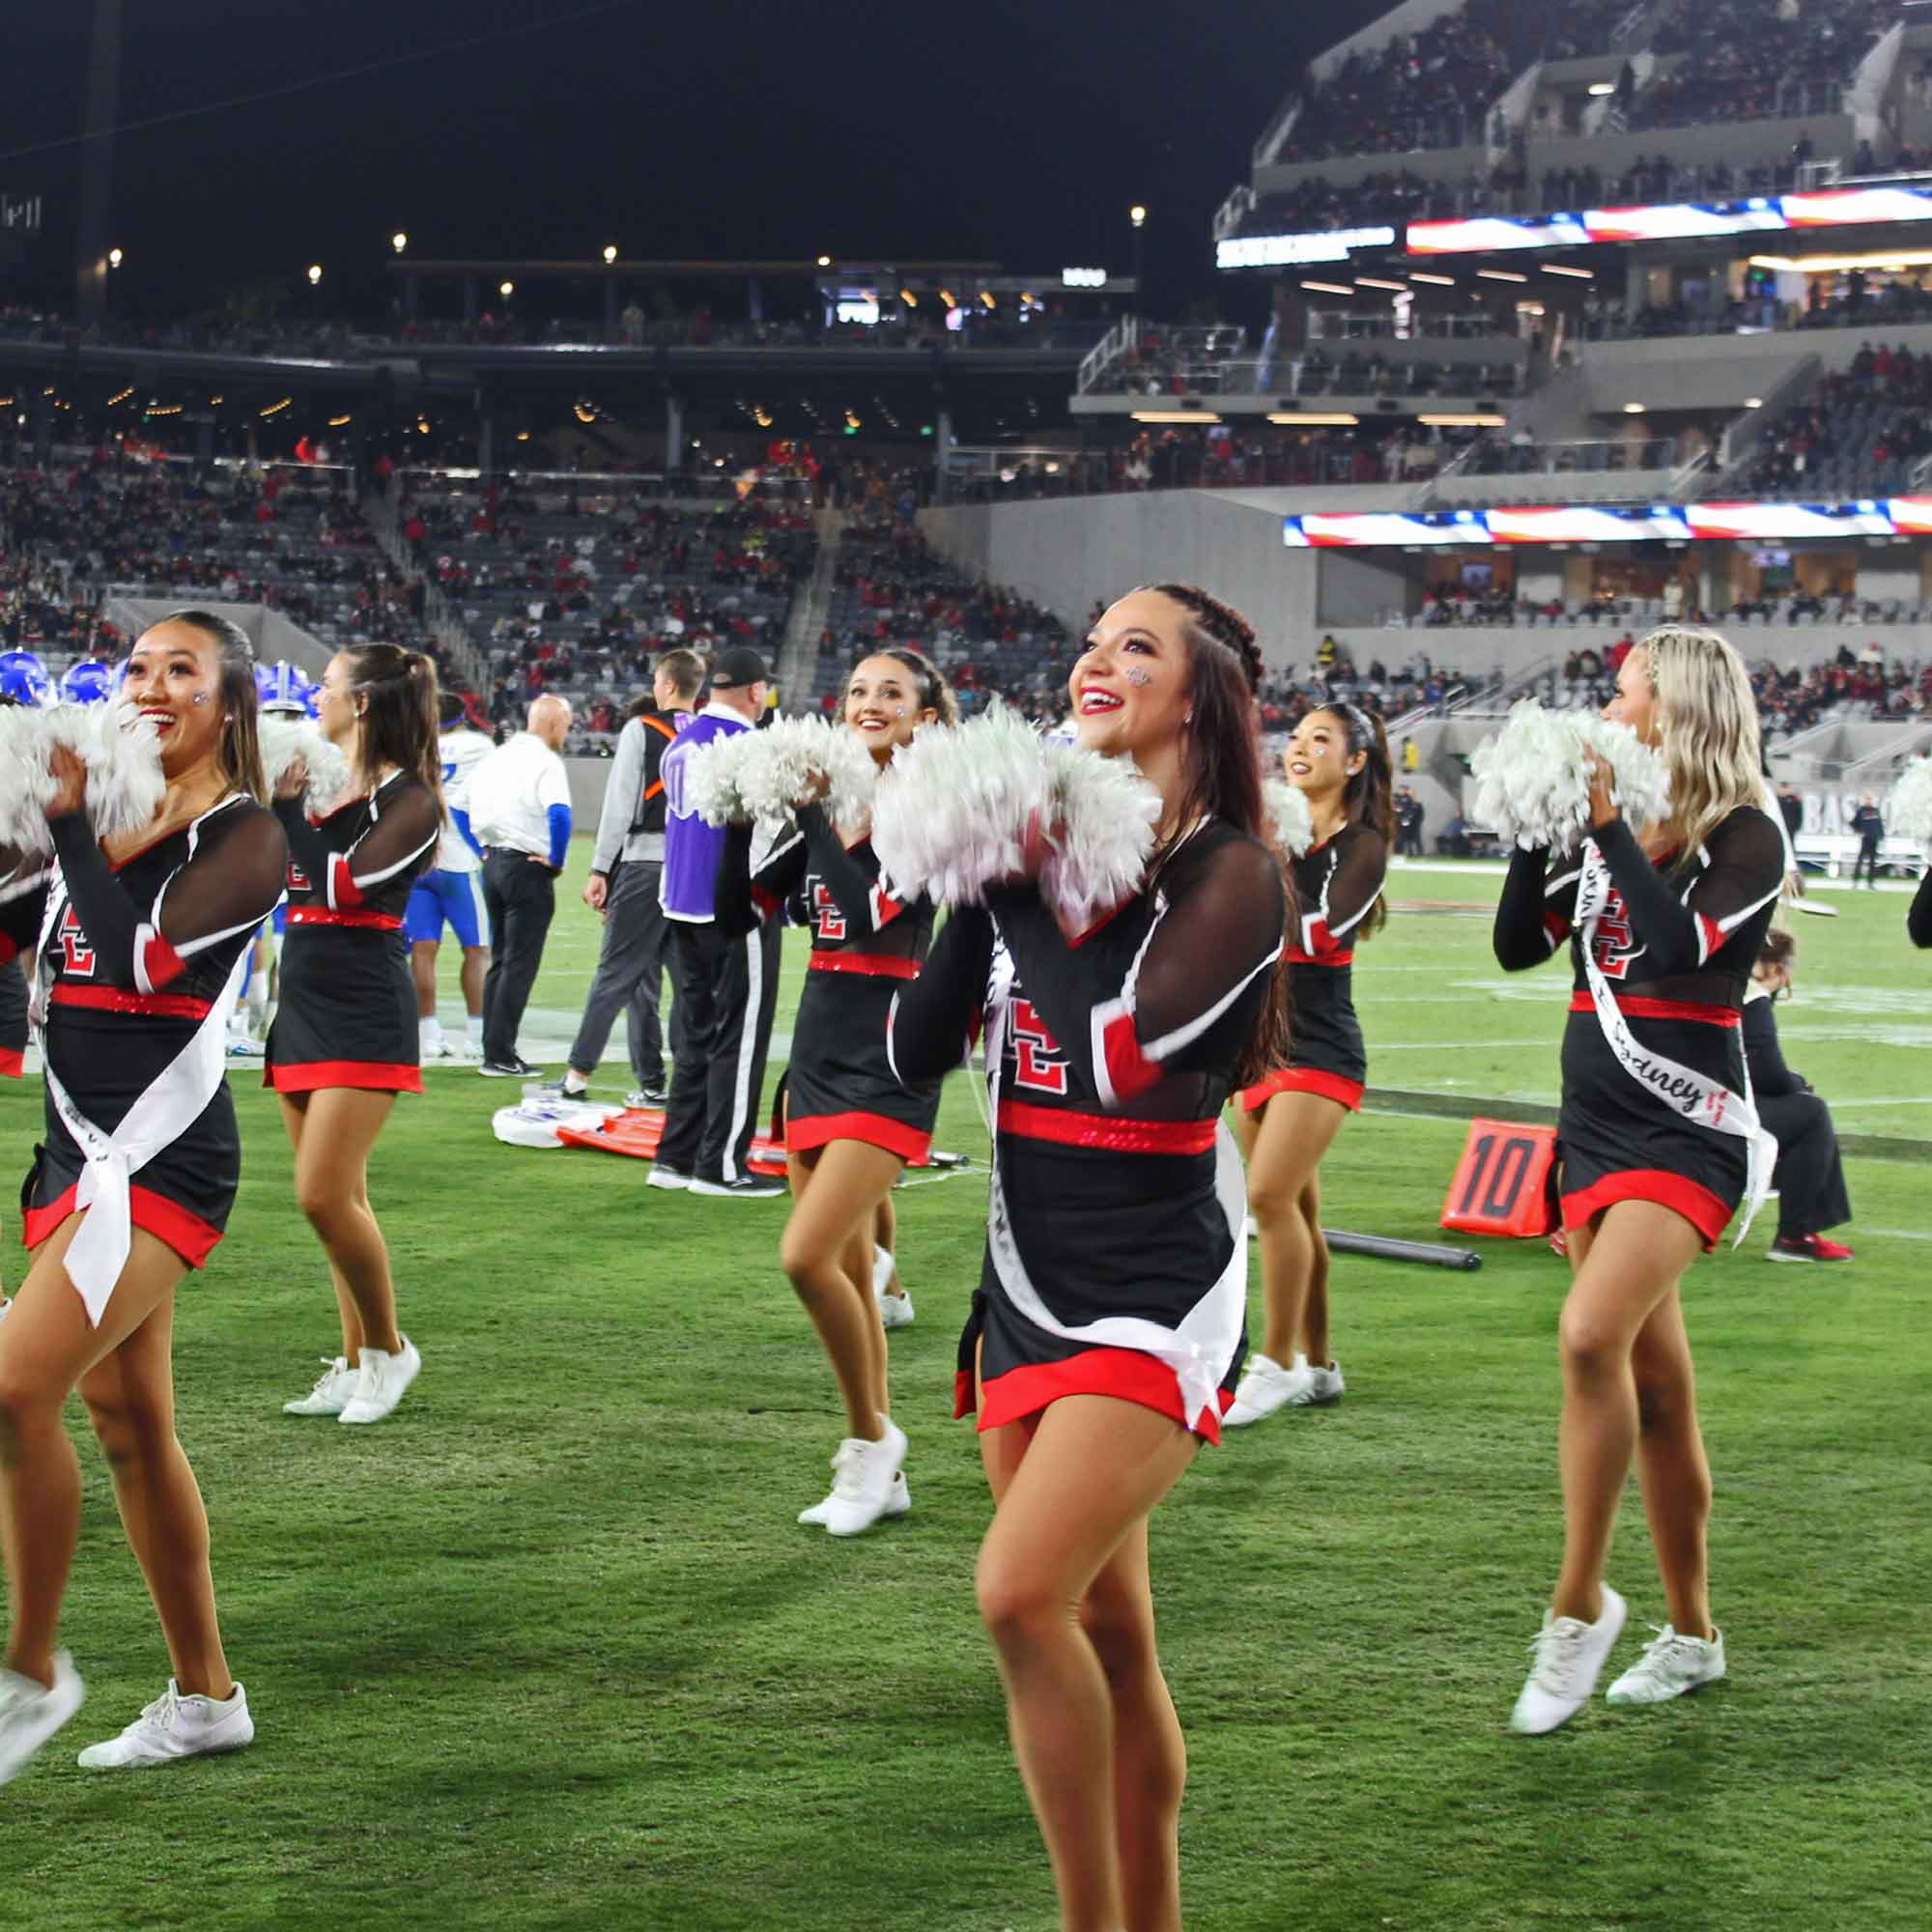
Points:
[(1600, 523)]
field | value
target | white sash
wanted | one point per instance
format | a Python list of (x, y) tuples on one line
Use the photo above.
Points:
[(162, 1113), (1680, 1088), (1200, 1351)]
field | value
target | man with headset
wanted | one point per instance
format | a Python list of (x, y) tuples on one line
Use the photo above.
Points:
[(625, 869)]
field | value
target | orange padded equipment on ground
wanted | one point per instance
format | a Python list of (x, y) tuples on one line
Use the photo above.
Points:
[(1502, 1182)]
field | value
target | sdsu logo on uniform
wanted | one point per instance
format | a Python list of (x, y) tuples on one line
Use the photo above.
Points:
[(76, 954), (1037, 1061), (825, 911), (1614, 943)]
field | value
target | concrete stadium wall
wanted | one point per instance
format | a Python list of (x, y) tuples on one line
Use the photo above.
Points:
[(1708, 372), (588, 778), (273, 636)]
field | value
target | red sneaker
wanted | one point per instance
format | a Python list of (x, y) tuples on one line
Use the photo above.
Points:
[(1808, 1248)]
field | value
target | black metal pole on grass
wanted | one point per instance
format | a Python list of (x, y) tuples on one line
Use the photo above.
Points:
[(1385, 1249)]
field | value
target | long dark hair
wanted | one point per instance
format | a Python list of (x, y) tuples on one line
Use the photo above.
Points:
[(1368, 798), (399, 711), (934, 693), (1221, 767), (241, 752)]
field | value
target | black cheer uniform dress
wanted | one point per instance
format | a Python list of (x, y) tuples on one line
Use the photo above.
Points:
[(348, 1012), (1336, 886), (13, 1011), (1656, 1098), (1115, 1261), (139, 966), (865, 947)]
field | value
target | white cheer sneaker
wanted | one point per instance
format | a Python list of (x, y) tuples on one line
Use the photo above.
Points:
[(896, 1504), (31, 1713), (330, 1394), (382, 1383), (1570, 1656), (173, 1728), (862, 1480), (1266, 1386), (1671, 1664)]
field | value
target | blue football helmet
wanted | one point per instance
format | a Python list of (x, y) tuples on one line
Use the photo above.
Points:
[(24, 678), (285, 689), (88, 681)]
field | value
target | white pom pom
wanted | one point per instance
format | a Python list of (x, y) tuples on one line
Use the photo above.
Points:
[(1107, 812), (1533, 777), (284, 740), (25, 783), (711, 779), (1908, 812), (1289, 817), (781, 766), (953, 813)]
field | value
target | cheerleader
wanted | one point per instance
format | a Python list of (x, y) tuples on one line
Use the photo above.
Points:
[(1339, 760), (1658, 1143), (1108, 1327), (850, 1128), (141, 945), (344, 1043)]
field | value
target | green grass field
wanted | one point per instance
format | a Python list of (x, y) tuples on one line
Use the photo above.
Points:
[(547, 1651)]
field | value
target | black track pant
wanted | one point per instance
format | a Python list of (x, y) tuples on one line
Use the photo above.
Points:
[(519, 897), (1810, 1177), (726, 992)]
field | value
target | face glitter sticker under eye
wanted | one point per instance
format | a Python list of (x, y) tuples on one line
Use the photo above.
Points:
[(1137, 676)]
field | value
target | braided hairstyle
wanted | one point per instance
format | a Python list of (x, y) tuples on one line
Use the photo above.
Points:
[(1222, 770)]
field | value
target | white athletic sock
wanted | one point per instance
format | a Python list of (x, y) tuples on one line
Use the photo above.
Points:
[(429, 1032), (474, 1027), (257, 997)]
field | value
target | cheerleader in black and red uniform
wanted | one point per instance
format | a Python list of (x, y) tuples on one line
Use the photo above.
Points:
[(850, 1128), (1108, 1327), (1658, 1143), (345, 1041), (142, 941), (1339, 760)]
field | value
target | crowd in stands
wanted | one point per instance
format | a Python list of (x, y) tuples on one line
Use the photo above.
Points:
[(1863, 432), (571, 585), (1746, 60), (289, 536), (1850, 686)]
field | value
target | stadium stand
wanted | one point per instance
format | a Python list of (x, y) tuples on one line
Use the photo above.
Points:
[(569, 584), (1865, 432)]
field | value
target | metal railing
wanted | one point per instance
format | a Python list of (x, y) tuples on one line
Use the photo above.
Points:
[(1646, 454), (1113, 349)]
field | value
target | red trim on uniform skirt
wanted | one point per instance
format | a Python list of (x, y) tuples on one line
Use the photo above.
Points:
[(12, 1063), (9, 949), (877, 965), (191, 1238), (1110, 1131), (1639, 1006), (376, 1076), (1296, 956), (379, 921), (1125, 1374), (807, 1131), (1302, 1080), (119, 1000), (1709, 1214)]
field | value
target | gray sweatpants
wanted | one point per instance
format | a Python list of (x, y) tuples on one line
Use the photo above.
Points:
[(630, 975)]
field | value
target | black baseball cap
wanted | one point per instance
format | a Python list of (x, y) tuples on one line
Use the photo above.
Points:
[(739, 666)]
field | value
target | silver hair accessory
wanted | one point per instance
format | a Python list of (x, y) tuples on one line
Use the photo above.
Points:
[(1136, 676)]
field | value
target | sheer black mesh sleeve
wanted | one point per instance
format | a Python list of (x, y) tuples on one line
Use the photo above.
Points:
[(1744, 874), (1350, 889), (1537, 909), (230, 884), (402, 826), (1218, 930), (742, 898), (853, 881), (935, 1018), (1918, 920), (23, 900)]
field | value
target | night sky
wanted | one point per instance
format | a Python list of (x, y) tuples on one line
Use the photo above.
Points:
[(1016, 131)]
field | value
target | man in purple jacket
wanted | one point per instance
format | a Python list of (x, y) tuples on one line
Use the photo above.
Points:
[(725, 989)]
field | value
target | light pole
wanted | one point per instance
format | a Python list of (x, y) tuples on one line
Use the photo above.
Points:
[(315, 291), (1137, 215)]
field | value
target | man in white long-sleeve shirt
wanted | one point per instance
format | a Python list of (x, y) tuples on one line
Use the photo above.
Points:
[(623, 885)]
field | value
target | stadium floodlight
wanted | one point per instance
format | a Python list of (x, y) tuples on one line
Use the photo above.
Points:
[(113, 258), (314, 273), (1558, 268), (1636, 408), (825, 261), (1375, 282), (1175, 416), (1463, 420), (1315, 418), (1137, 215), (1330, 288), (506, 290), (399, 241), (1501, 275), (610, 253), (1441, 281), (1754, 401), (1599, 88)]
